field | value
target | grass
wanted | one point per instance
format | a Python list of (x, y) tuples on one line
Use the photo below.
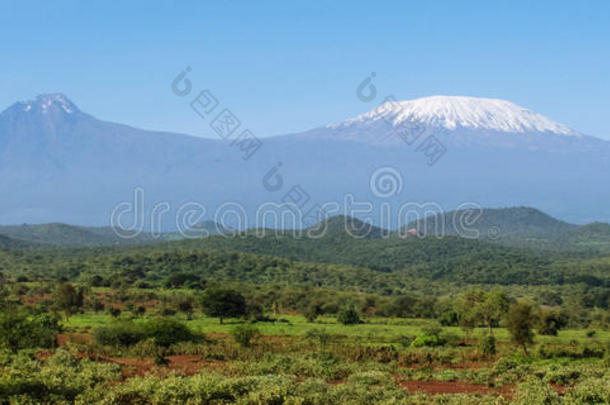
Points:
[(375, 330)]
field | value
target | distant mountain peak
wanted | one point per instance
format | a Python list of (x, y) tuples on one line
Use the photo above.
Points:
[(46, 104), (57, 100), (455, 112)]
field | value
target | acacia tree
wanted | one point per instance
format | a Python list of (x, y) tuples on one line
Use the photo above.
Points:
[(223, 303), (68, 299), (492, 308), (519, 321), (467, 308)]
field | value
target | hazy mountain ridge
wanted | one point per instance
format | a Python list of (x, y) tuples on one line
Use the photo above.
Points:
[(57, 234), (59, 164)]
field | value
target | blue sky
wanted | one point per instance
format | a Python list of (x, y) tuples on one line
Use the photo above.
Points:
[(284, 67)]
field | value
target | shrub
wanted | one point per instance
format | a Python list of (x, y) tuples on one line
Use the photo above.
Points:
[(534, 391), (164, 332), (488, 346), (243, 334), (114, 312), (449, 318), (119, 333), (550, 322), (19, 331), (427, 340), (431, 337), (312, 311), (349, 317)]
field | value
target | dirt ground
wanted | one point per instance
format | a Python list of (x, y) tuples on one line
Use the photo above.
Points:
[(189, 365)]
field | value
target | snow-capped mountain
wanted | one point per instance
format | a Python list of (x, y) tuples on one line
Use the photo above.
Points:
[(459, 122), (60, 164), (451, 113)]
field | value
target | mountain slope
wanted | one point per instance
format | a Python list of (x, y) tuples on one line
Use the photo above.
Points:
[(66, 235), (59, 164), (503, 223), (515, 226), (10, 243)]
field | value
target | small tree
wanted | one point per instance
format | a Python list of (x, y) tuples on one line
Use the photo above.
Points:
[(467, 308), (492, 308), (312, 311), (223, 303), (519, 322), (349, 317), (68, 299)]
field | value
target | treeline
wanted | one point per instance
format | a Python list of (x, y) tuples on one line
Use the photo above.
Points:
[(186, 293), (381, 266)]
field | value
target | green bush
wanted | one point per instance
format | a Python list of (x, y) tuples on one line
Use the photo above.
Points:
[(243, 334), (163, 332), (431, 337), (427, 340), (20, 331), (488, 346), (349, 317), (119, 333), (166, 332)]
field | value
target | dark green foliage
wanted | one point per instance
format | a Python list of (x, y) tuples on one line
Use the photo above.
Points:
[(120, 333), (312, 311), (167, 331), (113, 311), (244, 333), (337, 261), (163, 331), (68, 298), (349, 317), (488, 346), (550, 322), (19, 330), (167, 311), (519, 321), (184, 279), (223, 303), (185, 303), (448, 318), (160, 360), (255, 311)]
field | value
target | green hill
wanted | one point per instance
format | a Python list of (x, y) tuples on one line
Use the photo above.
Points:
[(67, 235), (517, 227), (58, 234), (9, 243), (522, 223)]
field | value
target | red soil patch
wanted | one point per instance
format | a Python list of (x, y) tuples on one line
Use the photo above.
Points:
[(35, 299), (62, 338)]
